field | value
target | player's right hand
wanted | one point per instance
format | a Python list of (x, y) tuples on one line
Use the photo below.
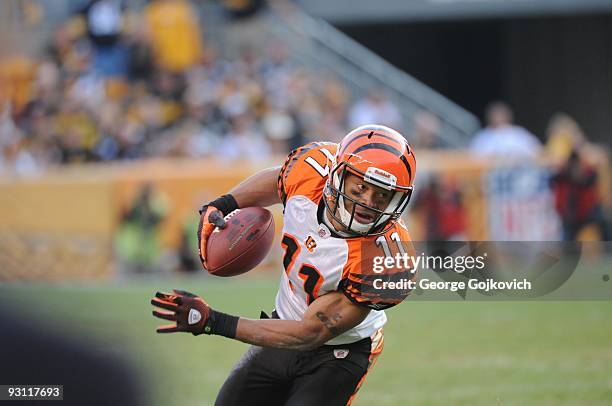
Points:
[(210, 217), (189, 312)]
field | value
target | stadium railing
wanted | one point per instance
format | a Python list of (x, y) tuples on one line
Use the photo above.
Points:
[(323, 45)]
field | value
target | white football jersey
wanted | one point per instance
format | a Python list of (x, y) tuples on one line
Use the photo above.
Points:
[(315, 261)]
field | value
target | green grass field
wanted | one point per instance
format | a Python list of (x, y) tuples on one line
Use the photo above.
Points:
[(475, 353)]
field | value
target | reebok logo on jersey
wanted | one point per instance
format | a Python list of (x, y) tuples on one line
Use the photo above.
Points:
[(194, 316), (341, 353), (310, 244)]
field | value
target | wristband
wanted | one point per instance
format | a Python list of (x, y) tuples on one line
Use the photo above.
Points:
[(221, 324), (225, 203)]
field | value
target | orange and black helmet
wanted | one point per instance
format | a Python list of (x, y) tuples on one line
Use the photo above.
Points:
[(381, 157)]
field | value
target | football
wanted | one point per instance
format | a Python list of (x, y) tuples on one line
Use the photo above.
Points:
[(243, 244)]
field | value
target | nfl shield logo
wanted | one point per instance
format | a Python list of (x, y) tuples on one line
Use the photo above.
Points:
[(341, 353), (323, 231)]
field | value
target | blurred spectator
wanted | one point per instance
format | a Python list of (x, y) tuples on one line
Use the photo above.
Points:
[(577, 198), (426, 130), (77, 131), (9, 133), (501, 138), (375, 108), (445, 215), (241, 8), (17, 156), (280, 128), (244, 141), (577, 182), (334, 101), (137, 239), (563, 136), (104, 20), (200, 132), (276, 73), (173, 30), (168, 89), (16, 78), (18, 160), (141, 59), (232, 97)]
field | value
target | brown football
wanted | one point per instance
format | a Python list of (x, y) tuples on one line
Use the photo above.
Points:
[(243, 244)]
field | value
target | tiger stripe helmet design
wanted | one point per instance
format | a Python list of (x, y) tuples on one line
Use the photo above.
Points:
[(380, 156)]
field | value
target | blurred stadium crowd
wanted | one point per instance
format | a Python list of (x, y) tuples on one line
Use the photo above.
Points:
[(119, 84), (579, 170)]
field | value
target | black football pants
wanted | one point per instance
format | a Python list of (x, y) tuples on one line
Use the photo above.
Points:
[(329, 375)]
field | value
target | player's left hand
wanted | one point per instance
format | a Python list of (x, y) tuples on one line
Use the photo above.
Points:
[(189, 311)]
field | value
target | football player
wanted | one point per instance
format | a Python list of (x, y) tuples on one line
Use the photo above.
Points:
[(326, 331)]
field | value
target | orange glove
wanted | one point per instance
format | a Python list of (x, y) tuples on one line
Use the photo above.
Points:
[(210, 217)]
